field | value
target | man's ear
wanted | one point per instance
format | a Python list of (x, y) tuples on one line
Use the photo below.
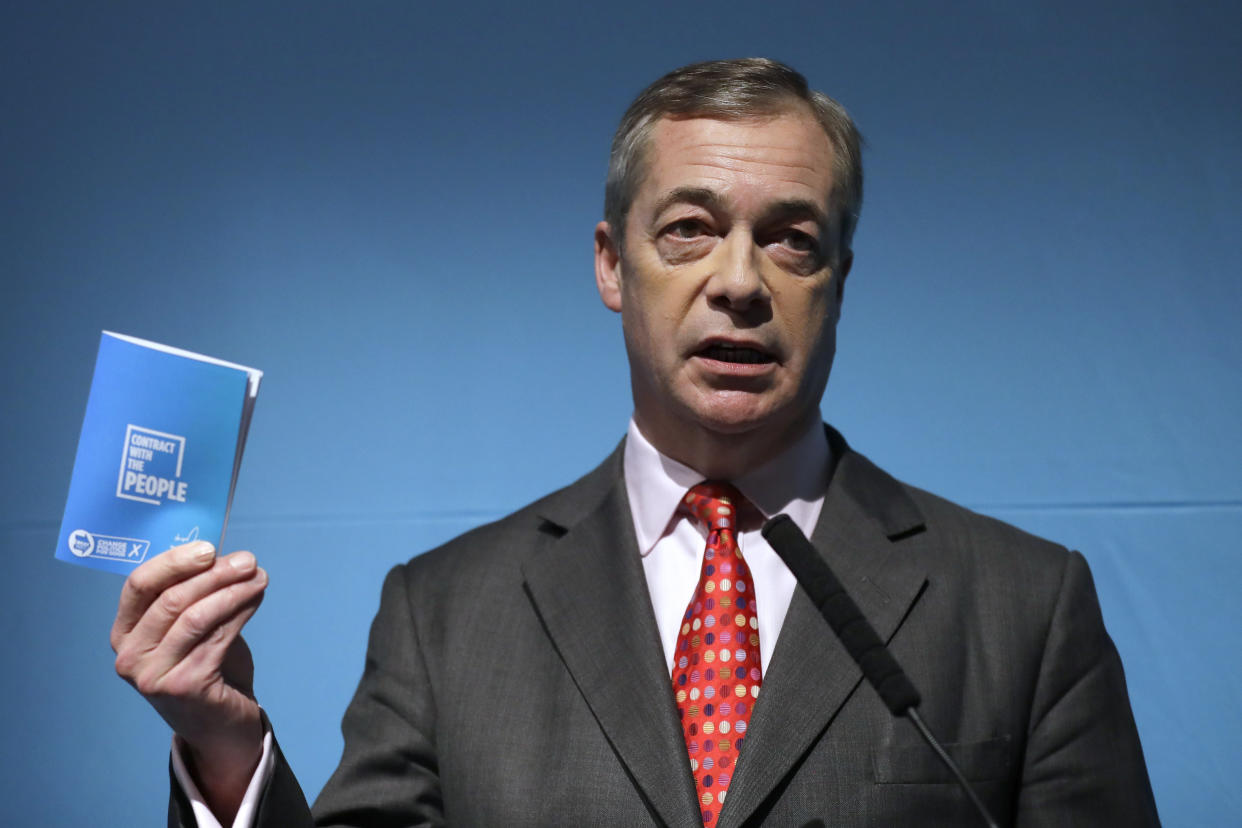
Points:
[(608, 266)]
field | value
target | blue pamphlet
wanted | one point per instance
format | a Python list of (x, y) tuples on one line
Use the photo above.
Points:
[(158, 458)]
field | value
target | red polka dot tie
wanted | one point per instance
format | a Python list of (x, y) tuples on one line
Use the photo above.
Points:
[(716, 667)]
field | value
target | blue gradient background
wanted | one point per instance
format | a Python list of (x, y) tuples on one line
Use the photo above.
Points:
[(388, 208)]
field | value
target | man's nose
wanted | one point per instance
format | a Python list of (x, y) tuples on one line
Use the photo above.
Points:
[(737, 283)]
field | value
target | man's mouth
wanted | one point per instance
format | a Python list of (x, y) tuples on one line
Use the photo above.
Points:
[(735, 353)]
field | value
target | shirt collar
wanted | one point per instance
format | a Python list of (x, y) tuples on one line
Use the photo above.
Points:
[(793, 482)]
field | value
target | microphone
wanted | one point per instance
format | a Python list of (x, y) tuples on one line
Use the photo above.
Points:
[(860, 639)]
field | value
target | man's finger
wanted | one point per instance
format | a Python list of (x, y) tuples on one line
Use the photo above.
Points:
[(151, 579), (181, 598), (145, 657), (207, 657)]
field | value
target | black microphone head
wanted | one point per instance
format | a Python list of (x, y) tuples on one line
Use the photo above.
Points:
[(775, 524), (833, 601)]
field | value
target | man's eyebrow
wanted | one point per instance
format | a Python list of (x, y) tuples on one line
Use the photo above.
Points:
[(797, 208), (698, 196), (784, 210)]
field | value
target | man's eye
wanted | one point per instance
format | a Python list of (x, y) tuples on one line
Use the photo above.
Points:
[(686, 229), (800, 242)]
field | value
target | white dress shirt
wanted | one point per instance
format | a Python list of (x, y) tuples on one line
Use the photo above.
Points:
[(672, 545), (672, 549)]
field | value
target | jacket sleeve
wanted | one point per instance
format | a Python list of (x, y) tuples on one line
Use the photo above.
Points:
[(1083, 763), (388, 773)]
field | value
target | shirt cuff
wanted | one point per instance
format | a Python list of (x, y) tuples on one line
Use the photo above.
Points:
[(203, 817)]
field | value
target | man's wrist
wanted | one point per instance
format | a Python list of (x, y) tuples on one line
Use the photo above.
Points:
[(206, 813), (223, 769)]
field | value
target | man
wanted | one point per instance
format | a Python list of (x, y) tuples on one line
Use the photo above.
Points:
[(629, 650)]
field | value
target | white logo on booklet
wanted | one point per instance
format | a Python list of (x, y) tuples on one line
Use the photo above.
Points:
[(151, 466)]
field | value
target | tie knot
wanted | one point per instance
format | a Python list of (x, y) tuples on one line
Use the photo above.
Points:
[(713, 505)]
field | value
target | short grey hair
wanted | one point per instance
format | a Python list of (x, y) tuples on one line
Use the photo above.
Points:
[(732, 90)]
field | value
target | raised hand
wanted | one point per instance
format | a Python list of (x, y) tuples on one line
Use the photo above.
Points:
[(177, 640)]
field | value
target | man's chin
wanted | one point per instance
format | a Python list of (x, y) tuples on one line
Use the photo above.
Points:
[(738, 414)]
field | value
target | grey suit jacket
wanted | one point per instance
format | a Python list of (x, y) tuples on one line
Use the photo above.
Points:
[(515, 677)]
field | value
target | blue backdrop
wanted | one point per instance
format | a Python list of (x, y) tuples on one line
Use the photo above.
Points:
[(388, 207)]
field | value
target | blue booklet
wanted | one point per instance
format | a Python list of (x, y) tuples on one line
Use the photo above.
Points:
[(158, 458)]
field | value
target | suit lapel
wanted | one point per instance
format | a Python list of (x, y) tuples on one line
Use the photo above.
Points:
[(864, 516), (589, 589)]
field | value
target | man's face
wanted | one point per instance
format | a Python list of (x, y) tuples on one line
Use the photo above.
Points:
[(729, 279)]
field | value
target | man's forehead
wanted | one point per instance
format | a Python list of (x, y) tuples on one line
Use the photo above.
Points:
[(786, 153)]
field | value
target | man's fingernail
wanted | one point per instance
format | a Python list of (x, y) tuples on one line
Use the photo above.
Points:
[(198, 552), (241, 561)]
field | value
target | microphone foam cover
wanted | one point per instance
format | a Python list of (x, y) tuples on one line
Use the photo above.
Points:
[(844, 617)]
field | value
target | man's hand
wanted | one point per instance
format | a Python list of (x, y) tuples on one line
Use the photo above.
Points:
[(177, 640)]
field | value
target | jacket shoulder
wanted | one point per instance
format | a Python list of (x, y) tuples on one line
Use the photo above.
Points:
[(983, 559), (957, 522), (954, 542)]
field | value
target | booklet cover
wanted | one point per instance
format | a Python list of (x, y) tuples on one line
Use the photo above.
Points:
[(159, 453)]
